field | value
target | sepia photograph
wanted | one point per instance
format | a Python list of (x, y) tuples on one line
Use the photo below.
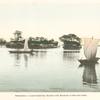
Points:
[(50, 46)]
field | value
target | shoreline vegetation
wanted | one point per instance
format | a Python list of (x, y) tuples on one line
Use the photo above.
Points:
[(70, 41)]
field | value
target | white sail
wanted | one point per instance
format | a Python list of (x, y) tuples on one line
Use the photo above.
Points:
[(26, 45), (90, 48)]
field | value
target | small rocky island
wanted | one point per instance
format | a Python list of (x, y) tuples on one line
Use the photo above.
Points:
[(71, 42), (42, 43)]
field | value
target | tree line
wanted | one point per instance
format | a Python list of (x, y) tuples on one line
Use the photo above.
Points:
[(70, 40)]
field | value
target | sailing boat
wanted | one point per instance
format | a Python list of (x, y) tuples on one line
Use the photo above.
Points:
[(25, 50), (90, 51)]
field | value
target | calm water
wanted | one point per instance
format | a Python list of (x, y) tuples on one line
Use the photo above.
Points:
[(50, 70)]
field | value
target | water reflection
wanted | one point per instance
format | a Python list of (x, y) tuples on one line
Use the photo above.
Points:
[(40, 54), (23, 59), (71, 55), (17, 59), (89, 74), (26, 60)]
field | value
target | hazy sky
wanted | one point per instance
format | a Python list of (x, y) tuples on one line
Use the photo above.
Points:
[(50, 18)]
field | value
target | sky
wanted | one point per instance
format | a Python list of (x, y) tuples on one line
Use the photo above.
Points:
[(50, 18)]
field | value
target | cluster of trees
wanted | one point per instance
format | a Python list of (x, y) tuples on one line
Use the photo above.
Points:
[(2, 41), (37, 42), (70, 37), (41, 42), (17, 41), (17, 36), (70, 41)]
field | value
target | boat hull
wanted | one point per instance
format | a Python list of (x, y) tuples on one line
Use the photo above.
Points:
[(85, 61), (20, 51)]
